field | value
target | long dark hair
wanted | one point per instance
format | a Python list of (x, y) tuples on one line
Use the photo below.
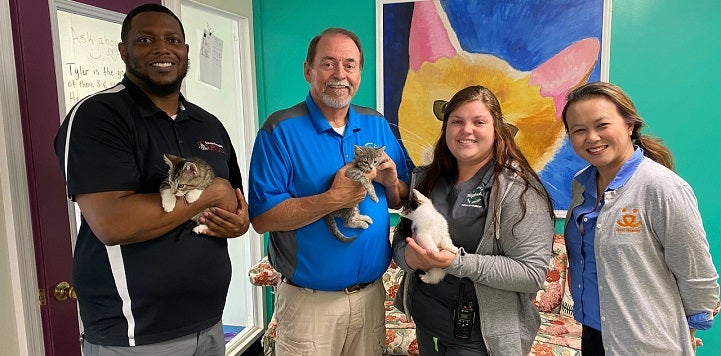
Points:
[(506, 152), (653, 148)]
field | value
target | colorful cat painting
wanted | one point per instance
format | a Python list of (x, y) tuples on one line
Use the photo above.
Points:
[(440, 63)]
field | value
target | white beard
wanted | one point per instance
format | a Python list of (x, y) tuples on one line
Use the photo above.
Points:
[(336, 103)]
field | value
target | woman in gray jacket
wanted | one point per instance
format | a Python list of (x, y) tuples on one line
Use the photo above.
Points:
[(642, 278), (500, 217)]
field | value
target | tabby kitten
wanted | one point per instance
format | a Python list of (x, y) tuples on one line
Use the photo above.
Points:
[(365, 159), (186, 178), (430, 229)]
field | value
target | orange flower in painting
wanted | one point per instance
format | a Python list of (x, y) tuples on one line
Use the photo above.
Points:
[(542, 350)]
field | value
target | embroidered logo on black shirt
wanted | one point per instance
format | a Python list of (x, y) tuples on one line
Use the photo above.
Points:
[(210, 146)]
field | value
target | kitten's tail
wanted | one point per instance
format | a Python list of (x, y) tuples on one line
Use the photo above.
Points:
[(333, 227), (433, 276)]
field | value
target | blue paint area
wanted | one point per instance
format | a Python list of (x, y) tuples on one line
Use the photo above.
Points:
[(524, 33), (558, 173)]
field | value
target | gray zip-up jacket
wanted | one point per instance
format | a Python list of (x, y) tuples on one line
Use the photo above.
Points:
[(508, 267), (653, 263)]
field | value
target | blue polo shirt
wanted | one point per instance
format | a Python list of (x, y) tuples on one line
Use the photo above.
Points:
[(296, 154)]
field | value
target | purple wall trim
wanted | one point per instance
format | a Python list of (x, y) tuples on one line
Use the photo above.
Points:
[(39, 109)]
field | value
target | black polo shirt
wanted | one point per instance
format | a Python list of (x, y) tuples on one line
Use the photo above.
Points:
[(160, 289)]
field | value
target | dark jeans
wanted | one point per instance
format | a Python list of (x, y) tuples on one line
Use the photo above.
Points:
[(591, 342)]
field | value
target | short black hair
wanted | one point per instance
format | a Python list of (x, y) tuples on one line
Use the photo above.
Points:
[(145, 8)]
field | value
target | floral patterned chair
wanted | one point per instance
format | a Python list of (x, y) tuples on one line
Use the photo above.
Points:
[(559, 334)]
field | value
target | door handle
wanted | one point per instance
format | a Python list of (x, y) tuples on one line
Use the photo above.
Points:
[(63, 291)]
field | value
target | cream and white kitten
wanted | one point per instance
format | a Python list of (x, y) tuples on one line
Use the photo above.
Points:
[(430, 229)]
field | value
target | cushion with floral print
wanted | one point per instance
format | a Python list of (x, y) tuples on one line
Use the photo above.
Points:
[(560, 332), (549, 298), (567, 301), (392, 279), (400, 332), (263, 274)]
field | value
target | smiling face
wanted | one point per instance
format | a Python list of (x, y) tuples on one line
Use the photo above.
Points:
[(470, 134), (155, 53), (599, 134), (335, 72)]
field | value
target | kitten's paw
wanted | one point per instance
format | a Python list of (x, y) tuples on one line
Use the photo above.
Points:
[(357, 224), (200, 229), (193, 195), (451, 248), (367, 219), (168, 203)]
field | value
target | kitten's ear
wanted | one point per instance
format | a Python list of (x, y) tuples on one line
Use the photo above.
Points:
[(418, 196), (357, 149), (413, 195), (191, 168), (170, 160), (382, 149)]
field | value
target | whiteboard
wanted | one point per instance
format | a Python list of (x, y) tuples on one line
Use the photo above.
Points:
[(89, 57)]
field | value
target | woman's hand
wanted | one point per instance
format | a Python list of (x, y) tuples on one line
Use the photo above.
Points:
[(695, 341), (419, 258)]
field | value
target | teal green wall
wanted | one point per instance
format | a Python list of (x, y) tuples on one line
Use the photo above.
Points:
[(665, 54), (283, 29)]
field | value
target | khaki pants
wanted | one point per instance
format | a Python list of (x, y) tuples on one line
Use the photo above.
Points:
[(312, 322)]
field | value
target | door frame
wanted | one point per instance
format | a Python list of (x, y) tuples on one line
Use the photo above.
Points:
[(16, 201)]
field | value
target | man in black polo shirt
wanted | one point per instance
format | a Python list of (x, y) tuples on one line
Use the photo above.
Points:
[(146, 284)]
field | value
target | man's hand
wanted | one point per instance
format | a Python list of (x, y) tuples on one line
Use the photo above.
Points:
[(222, 223), (396, 190), (387, 175), (220, 194), (346, 191)]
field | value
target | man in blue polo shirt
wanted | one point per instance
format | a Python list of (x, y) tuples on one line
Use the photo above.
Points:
[(146, 284), (331, 300)]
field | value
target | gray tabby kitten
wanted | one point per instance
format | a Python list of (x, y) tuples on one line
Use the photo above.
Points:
[(430, 229), (365, 160), (186, 178)]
